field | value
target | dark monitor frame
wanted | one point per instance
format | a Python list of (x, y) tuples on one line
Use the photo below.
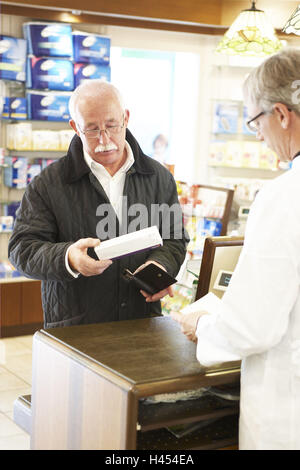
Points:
[(210, 246)]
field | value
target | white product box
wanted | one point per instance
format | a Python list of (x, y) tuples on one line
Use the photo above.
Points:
[(19, 136), (45, 140), (49, 39), (91, 48), (140, 240), (49, 73), (65, 137)]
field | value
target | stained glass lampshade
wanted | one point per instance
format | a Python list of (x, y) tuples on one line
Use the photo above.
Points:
[(293, 24), (251, 34)]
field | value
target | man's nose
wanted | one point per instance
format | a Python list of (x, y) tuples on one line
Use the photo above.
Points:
[(259, 136), (103, 136)]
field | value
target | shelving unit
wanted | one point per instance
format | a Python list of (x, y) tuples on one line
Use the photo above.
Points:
[(227, 79)]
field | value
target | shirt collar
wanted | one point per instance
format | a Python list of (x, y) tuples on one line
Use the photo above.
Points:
[(97, 166), (296, 161)]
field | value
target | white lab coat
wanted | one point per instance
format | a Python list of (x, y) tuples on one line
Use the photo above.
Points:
[(258, 319)]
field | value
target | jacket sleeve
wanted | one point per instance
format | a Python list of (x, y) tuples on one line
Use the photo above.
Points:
[(175, 237), (33, 247)]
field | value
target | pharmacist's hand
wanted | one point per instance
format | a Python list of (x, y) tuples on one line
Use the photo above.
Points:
[(188, 323), (159, 295), (81, 262)]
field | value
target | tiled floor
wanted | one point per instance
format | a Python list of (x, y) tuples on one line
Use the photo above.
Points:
[(15, 380)]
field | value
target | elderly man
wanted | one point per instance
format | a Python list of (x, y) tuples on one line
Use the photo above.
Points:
[(102, 181), (258, 318)]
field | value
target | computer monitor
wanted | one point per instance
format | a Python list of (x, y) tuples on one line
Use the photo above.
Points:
[(220, 256)]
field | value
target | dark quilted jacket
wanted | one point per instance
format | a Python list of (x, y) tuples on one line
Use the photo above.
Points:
[(58, 208)]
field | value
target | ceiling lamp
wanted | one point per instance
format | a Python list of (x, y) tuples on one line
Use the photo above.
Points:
[(251, 34), (293, 24)]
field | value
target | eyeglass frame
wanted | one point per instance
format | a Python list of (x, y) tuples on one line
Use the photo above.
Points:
[(248, 123), (262, 113), (106, 130)]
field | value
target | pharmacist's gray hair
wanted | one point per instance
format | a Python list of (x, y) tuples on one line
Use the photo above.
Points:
[(96, 87), (276, 80)]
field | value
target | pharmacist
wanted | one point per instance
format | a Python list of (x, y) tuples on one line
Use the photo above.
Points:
[(258, 319), (97, 190)]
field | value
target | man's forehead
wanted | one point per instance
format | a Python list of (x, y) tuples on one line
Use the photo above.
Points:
[(92, 110)]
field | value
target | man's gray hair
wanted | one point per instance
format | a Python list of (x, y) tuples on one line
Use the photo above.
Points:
[(92, 88), (276, 80)]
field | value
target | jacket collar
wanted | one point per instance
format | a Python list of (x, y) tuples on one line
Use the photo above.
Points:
[(76, 167)]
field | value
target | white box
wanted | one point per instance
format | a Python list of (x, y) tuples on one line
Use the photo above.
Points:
[(130, 243)]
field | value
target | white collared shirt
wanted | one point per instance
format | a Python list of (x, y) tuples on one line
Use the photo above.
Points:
[(113, 186)]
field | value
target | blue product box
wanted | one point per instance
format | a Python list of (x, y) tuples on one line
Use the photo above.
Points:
[(226, 118), (11, 208), (32, 171), (44, 162), (212, 227), (18, 108), (6, 108), (49, 39), (51, 106), (12, 58), (49, 73), (245, 129), (15, 173), (91, 48), (84, 72)]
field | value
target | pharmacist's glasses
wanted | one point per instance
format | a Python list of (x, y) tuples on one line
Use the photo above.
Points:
[(252, 125), (109, 131)]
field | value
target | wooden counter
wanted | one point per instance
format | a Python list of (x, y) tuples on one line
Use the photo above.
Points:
[(89, 383), (21, 310)]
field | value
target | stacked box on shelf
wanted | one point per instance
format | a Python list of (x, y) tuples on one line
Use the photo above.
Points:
[(48, 39), (13, 104), (49, 73), (226, 118), (12, 58), (48, 106), (15, 172), (91, 57), (49, 67)]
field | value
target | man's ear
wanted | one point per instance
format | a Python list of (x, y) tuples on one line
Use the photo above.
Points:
[(126, 119), (73, 125), (283, 114)]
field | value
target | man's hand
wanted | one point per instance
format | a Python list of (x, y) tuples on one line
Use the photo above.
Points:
[(159, 295), (188, 323), (81, 262)]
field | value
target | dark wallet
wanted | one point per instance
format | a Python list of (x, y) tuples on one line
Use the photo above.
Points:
[(151, 279)]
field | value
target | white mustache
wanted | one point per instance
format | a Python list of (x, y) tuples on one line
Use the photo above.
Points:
[(105, 148)]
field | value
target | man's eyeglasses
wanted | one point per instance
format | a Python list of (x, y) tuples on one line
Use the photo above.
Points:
[(109, 130), (252, 125)]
